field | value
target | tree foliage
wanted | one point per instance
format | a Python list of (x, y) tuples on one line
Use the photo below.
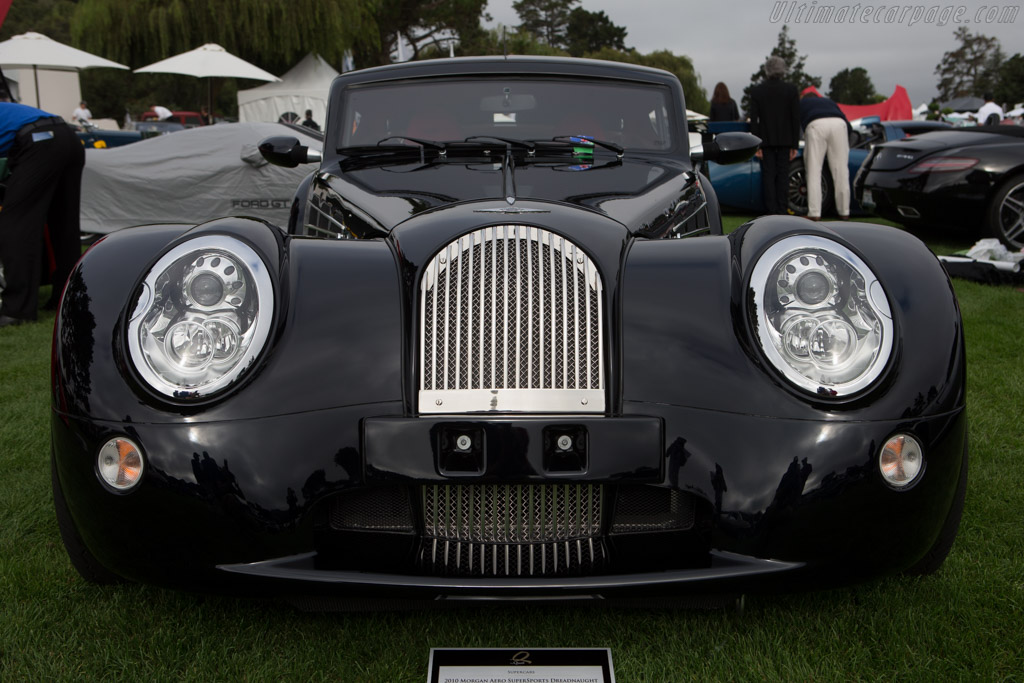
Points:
[(680, 65), (1010, 89), (852, 86), (592, 31), (502, 41), (49, 17), (273, 34), (425, 26), (972, 68), (547, 20), (786, 49)]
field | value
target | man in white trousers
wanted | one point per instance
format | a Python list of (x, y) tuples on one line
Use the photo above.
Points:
[(826, 135)]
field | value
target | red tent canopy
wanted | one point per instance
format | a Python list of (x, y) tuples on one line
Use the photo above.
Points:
[(896, 108)]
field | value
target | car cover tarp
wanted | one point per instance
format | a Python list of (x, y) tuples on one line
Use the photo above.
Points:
[(190, 176)]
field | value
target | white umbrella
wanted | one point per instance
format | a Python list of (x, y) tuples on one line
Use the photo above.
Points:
[(209, 61), (39, 52)]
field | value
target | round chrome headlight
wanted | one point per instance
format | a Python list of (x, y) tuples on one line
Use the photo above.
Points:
[(202, 317), (821, 316)]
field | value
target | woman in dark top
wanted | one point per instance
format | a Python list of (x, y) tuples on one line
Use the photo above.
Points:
[(723, 107)]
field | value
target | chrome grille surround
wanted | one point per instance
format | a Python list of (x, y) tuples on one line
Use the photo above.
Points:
[(510, 321), (512, 530)]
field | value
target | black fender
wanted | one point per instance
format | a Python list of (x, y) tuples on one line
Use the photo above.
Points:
[(684, 305), (336, 336)]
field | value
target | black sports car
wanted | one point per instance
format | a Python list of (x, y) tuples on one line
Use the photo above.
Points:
[(968, 178), (503, 350)]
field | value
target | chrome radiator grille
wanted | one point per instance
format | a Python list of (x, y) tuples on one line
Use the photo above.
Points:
[(512, 530), (510, 320)]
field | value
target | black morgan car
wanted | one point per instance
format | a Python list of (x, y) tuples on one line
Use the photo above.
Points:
[(502, 350)]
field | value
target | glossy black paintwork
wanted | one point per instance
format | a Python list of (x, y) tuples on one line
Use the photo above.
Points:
[(649, 195), (788, 485)]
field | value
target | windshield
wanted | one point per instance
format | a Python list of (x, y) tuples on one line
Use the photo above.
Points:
[(634, 116)]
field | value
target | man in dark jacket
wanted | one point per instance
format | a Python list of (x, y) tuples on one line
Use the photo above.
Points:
[(775, 118), (309, 122), (45, 159)]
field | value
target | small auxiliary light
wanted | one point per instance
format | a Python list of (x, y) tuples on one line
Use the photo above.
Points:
[(119, 463), (901, 460)]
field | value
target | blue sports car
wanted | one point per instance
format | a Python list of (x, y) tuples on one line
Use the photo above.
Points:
[(739, 185)]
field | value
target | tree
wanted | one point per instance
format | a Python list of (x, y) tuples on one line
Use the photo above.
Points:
[(501, 41), (548, 20), (680, 65), (49, 17), (592, 31), (425, 26), (972, 68), (273, 34), (786, 49), (852, 86), (1010, 89)]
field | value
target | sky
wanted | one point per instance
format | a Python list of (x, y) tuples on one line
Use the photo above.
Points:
[(728, 40)]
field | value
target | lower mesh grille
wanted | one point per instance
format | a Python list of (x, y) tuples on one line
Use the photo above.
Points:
[(640, 509), (385, 509), (512, 530)]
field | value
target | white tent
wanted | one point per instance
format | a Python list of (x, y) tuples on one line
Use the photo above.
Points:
[(304, 87)]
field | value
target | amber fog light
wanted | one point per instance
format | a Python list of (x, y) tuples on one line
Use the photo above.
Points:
[(901, 460), (119, 463)]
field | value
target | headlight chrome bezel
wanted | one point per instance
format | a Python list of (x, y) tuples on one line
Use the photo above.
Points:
[(844, 303), (236, 326)]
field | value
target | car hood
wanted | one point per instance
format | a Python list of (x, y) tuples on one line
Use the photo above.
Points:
[(633, 191)]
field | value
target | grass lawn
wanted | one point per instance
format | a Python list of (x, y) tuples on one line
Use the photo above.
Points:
[(965, 623)]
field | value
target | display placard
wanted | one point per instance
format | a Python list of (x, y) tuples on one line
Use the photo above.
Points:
[(524, 665)]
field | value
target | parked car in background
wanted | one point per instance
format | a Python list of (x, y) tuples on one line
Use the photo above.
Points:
[(739, 186), (98, 138), (188, 119), (968, 178), (501, 349), (150, 129)]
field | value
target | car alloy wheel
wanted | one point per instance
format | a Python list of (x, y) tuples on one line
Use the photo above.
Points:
[(1006, 213), (796, 194)]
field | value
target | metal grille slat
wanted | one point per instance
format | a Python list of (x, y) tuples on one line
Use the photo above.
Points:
[(510, 320), (512, 530)]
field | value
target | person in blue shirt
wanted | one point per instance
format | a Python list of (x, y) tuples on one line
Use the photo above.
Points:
[(826, 135), (44, 189)]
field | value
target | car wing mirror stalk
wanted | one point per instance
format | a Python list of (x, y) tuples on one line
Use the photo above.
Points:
[(726, 148), (288, 152)]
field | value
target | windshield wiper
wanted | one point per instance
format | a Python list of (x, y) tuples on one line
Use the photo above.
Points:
[(528, 145)]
